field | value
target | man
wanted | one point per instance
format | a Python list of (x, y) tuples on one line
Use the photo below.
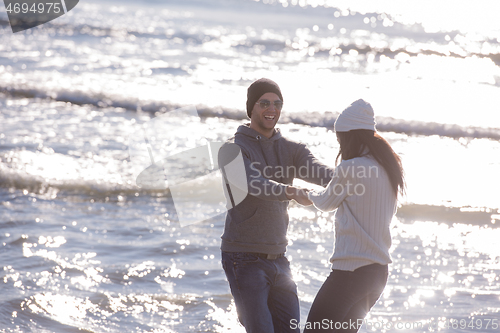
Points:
[(254, 239)]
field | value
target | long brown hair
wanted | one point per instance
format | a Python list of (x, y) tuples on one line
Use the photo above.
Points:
[(354, 142)]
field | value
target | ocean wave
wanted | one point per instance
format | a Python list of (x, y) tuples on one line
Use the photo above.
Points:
[(99, 191), (313, 119), (52, 188), (409, 127), (322, 44), (52, 174), (449, 215), (81, 182)]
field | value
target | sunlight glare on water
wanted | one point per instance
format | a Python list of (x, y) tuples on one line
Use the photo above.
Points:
[(84, 248), (445, 15)]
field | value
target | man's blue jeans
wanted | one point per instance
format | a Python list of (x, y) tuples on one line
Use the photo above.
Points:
[(264, 292)]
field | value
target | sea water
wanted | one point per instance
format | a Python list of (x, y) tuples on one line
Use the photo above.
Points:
[(83, 248)]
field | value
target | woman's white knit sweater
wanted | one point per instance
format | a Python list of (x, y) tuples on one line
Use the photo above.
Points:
[(366, 203)]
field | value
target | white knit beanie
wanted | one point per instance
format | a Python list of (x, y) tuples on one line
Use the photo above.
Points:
[(358, 115)]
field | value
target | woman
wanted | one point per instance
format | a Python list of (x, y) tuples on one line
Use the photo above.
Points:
[(364, 191)]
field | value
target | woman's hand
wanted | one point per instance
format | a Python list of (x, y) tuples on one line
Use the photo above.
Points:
[(299, 195)]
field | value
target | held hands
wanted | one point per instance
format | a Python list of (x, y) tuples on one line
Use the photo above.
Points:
[(299, 195)]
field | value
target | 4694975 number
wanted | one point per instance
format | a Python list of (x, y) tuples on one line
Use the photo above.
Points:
[(35, 8), (480, 324)]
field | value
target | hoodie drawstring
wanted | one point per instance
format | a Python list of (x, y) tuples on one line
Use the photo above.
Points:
[(264, 155), (262, 149)]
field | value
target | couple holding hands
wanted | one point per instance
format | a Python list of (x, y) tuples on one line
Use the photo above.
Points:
[(363, 188)]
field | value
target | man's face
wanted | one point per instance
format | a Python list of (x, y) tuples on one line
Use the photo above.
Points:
[(266, 118)]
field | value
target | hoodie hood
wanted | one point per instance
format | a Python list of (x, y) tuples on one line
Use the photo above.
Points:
[(254, 135)]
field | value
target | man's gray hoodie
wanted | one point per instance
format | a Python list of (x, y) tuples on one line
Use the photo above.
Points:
[(259, 223)]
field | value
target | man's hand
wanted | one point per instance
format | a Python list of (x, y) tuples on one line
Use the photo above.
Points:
[(299, 195)]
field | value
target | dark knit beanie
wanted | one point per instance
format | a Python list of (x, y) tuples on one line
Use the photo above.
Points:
[(259, 88)]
